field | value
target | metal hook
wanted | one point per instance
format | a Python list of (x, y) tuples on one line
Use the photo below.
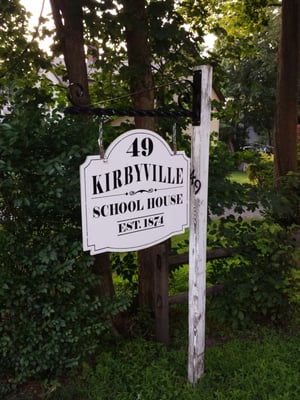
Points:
[(184, 97), (174, 138), (100, 139)]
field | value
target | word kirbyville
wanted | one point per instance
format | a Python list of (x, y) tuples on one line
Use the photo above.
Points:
[(136, 173)]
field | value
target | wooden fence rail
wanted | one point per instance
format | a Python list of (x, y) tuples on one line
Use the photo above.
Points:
[(164, 262), (178, 259)]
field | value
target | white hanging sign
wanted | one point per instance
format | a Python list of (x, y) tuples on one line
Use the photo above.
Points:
[(136, 197)]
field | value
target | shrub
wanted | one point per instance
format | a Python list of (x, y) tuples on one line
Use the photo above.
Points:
[(222, 192), (259, 280), (50, 319), (262, 171), (283, 202)]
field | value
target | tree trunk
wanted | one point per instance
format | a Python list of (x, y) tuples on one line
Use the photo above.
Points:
[(68, 19), (139, 60), (102, 269), (285, 125), (142, 94)]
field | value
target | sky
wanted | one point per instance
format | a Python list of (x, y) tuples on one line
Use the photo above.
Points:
[(35, 6)]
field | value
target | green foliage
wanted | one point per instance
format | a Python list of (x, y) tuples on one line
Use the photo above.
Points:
[(125, 266), (151, 372), (242, 369), (283, 203), (262, 171), (253, 369), (224, 192), (239, 177), (247, 156), (174, 52), (50, 318), (178, 281), (21, 60), (246, 58), (259, 280)]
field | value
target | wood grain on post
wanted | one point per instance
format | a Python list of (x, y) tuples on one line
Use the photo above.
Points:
[(198, 226)]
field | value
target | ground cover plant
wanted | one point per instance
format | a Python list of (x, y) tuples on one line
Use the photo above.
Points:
[(261, 366)]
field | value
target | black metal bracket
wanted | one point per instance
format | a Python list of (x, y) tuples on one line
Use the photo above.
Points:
[(163, 112), (197, 87), (89, 110)]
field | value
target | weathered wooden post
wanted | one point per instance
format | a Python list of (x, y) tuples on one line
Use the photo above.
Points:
[(202, 85)]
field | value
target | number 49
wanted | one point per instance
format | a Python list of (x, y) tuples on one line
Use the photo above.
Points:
[(143, 147)]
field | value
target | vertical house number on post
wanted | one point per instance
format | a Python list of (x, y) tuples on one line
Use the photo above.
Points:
[(195, 182)]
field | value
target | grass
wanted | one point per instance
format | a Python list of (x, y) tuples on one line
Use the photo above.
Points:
[(239, 177), (257, 368)]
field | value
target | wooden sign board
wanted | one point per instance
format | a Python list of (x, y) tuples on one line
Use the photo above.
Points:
[(136, 197)]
